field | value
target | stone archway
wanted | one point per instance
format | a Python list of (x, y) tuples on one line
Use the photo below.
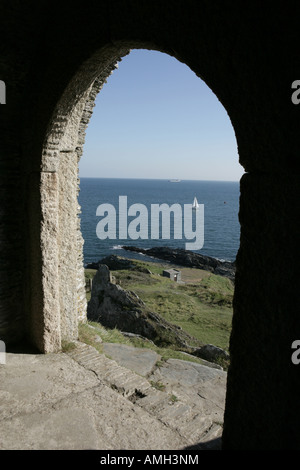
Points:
[(248, 56), (60, 301)]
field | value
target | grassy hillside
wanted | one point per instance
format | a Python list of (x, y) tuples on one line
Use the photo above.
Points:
[(201, 305)]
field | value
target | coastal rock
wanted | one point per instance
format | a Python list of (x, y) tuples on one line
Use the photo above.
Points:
[(113, 262), (211, 353), (188, 258), (109, 302)]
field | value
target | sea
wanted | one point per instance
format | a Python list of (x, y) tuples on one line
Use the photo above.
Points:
[(218, 199)]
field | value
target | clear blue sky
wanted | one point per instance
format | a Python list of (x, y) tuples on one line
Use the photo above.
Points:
[(154, 118)]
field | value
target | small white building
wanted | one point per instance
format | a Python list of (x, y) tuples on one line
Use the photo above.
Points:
[(173, 274)]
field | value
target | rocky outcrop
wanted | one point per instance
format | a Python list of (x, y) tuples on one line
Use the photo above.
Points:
[(189, 259), (113, 262), (116, 263), (115, 307), (211, 353)]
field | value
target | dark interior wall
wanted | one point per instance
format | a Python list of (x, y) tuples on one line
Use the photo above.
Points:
[(247, 53), (263, 382)]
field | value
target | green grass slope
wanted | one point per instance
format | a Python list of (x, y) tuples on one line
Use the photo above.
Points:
[(201, 304)]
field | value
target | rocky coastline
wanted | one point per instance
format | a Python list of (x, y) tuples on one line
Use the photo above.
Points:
[(189, 259), (179, 257)]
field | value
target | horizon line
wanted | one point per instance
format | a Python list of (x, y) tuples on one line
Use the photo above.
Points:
[(160, 179)]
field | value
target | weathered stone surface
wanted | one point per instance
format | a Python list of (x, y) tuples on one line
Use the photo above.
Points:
[(31, 382), (139, 360), (187, 374), (71, 410), (187, 397), (85, 401), (45, 331)]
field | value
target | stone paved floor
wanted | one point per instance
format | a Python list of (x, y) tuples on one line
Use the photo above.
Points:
[(84, 400)]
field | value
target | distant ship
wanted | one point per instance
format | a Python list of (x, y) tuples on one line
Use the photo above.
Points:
[(174, 181), (195, 205)]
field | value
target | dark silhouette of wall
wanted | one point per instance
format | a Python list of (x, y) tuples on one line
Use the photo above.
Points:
[(54, 57)]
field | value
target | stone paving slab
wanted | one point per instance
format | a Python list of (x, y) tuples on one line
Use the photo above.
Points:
[(187, 373), (29, 382), (140, 360)]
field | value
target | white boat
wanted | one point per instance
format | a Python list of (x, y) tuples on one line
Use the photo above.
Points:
[(195, 205)]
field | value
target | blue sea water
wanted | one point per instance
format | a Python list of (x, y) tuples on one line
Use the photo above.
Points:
[(221, 206)]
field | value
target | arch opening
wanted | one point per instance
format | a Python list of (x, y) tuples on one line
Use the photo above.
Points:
[(117, 138)]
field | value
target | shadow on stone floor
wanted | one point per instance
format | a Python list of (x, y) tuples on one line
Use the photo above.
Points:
[(22, 347), (214, 444)]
